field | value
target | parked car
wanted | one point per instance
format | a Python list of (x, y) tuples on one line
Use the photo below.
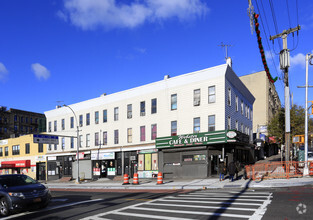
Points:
[(20, 192), (310, 155)]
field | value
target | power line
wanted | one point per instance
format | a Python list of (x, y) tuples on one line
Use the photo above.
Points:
[(275, 21), (288, 13)]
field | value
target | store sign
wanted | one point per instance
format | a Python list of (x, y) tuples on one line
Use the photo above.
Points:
[(196, 139), (4, 142), (102, 156)]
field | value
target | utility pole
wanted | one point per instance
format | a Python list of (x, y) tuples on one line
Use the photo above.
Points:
[(284, 65), (307, 58)]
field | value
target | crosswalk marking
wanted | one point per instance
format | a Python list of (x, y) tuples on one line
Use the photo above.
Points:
[(193, 212), (199, 206), (227, 204)]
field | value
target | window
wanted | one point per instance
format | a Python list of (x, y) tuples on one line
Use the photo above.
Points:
[(63, 124), (105, 138), (241, 107), (1, 152), (97, 139), (173, 128), (27, 148), (49, 126), (49, 147), (105, 116), (87, 140), (142, 133), (142, 108), (129, 135), (55, 147), (212, 94), (72, 122), (174, 102), (237, 125), (153, 106), (72, 142), (211, 123), (116, 114), (55, 125), (88, 119), (96, 117), (196, 125), (15, 118), (196, 97), (81, 120), (63, 144), (153, 132), (248, 113), (228, 123), (16, 150), (40, 147), (115, 136), (6, 151), (237, 104), (229, 97), (129, 111), (241, 128), (81, 140)]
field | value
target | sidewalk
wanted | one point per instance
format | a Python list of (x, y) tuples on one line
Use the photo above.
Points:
[(176, 184)]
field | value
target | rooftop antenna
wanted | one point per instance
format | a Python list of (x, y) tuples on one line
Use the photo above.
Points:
[(226, 48)]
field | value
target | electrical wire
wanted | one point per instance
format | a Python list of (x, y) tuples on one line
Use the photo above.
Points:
[(275, 21), (288, 13)]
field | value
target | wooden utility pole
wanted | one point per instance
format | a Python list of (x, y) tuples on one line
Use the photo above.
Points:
[(284, 65)]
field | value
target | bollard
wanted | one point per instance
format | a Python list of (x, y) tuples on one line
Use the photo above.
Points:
[(160, 178), (126, 179), (135, 179)]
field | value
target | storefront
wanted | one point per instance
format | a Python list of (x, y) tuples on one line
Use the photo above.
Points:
[(15, 167), (198, 155), (103, 164), (59, 166), (147, 166)]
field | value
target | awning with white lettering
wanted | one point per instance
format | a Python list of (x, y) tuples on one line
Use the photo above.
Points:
[(15, 164)]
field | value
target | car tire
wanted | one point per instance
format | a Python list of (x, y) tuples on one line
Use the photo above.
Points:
[(4, 208)]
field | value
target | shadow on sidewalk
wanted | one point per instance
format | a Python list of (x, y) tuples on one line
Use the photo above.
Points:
[(225, 205)]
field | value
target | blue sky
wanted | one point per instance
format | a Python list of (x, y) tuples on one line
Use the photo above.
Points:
[(63, 52)]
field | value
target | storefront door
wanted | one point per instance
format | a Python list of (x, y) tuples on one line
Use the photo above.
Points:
[(214, 157), (41, 171)]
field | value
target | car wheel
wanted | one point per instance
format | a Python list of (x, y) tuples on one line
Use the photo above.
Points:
[(4, 209)]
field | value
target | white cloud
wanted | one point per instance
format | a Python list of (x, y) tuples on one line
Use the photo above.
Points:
[(40, 71), (298, 59), (91, 14), (3, 72)]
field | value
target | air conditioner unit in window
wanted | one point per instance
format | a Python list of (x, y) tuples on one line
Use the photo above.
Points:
[(142, 113)]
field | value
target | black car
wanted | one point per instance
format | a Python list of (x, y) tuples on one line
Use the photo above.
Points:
[(20, 192)]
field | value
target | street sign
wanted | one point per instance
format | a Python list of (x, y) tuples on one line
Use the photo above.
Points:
[(46, 139)]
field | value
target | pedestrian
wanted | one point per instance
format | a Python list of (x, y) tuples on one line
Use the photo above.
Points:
[(231, 170), (237, 169), (222, 170)]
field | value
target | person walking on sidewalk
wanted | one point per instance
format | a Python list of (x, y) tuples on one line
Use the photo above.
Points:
[(231, 170), (238, 168), (222, 170)]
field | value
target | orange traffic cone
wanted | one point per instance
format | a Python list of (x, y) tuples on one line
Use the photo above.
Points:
[(160, 178), (126, 180), (135, 179)]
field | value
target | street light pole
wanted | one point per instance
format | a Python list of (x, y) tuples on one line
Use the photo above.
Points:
[(78, 144)]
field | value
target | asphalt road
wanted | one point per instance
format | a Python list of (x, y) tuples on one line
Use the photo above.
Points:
[(279, 203)]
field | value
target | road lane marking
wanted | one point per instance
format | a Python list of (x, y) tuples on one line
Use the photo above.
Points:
[(262, 209), (140, 199), (192, 212), (217, 195), (199, 206), (226, 198), (147, 216)]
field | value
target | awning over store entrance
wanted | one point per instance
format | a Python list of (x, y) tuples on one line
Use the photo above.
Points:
[(15, 164)]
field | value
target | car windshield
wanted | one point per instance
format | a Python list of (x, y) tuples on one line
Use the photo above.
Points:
[(16, 180)]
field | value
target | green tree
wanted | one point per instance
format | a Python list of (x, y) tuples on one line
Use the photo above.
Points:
[(276, 126)]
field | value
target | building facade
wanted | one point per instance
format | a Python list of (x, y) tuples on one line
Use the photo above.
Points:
[(267, 102), (14, 122), (21, 155), (117, 132)]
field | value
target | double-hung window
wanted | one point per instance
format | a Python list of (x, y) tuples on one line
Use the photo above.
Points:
[(173, 128), (211, 123), (196, 97), (153, 106), (87, 140), (212, 96), (81, 120), (129, 135), (116, 114), (105, 138), (72, 122), (96, 117), (142, 108), (115, 136), (129, 111), (105, 116), (153, 131), (63, 124), (174, 102), (196, 125), (229, 97), (142, 133), (97, 139), (88, 119)]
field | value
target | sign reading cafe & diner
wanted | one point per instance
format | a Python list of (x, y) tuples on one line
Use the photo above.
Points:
[(192, 139)]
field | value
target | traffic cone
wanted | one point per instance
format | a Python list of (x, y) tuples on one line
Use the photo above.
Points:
[(126, 179), (160, 178), (135, 179)]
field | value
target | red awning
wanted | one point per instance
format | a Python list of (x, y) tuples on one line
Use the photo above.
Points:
[(15, 163)]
